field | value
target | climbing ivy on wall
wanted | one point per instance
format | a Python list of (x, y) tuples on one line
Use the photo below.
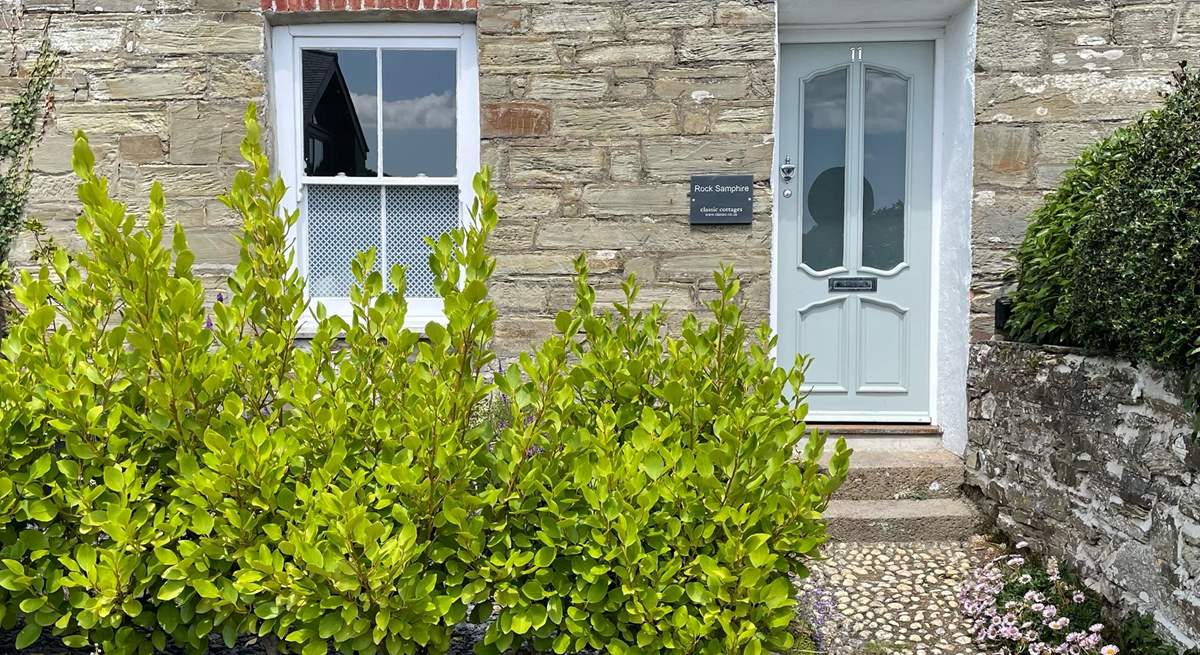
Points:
[(26, 121), (27, 114)]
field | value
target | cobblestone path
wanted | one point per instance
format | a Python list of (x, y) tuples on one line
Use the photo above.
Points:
[(899, 598)]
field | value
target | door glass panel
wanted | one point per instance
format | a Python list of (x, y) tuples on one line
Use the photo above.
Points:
[(339, 101), (419, 113), (824, 164), (885, 160)]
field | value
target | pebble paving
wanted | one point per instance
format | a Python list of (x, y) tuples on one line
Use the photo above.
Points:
[(899, 598)]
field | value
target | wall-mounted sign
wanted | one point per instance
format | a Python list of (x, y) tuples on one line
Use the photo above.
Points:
[(853, 284), (722, 199)]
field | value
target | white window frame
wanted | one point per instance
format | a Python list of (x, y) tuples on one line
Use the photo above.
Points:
[(287, 42)]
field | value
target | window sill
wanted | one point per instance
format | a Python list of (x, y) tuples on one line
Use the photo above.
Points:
[(421, 312)]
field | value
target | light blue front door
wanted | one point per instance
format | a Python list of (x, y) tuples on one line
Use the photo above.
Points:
[(855, 232)]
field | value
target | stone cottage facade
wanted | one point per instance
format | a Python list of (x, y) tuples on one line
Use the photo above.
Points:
[(595, 114)]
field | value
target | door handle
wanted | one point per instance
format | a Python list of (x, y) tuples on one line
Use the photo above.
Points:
[(787, 170)]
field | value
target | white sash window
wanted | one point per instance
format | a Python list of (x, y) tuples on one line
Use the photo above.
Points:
[(377, 138)]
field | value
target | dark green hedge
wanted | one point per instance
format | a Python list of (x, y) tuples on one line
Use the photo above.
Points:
[(1111, 261)]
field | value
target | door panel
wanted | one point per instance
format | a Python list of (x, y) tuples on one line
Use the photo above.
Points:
[(883, 337), (856, 121), (826, 324)]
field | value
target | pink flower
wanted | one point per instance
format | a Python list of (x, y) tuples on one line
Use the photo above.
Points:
[(1109, 650)]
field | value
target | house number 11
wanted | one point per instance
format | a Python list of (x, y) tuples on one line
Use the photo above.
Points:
[(856, 54)]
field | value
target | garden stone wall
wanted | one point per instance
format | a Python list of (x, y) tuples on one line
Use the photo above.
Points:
[(1052, 77), (1090, 459)]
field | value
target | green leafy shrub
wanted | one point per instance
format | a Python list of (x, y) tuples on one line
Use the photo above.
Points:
[(1109, 261), (169, 478), (649, 504), (175, 471)]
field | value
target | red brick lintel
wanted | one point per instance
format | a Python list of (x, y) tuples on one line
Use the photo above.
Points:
[(368, 5)]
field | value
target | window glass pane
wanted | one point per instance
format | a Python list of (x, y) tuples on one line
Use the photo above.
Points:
[(343, 220), (885, 158), (824, 170), (419, 113), (413, 213), (340, 98)]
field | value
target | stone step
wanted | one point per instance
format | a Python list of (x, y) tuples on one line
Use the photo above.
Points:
[(888, 437), (941, 519), (902, 475)]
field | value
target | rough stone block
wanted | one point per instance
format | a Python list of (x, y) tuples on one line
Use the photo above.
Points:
[(517, 54), (142, 149), (1051, 12), (534, 165), (582, 86), (585, 233), (204, 133), (516, 333), (179, 181), (678, 158), (558, 262), (625, 53), (521, 297), (233, 76), (627, 200), (614, 121), (676, 297), (668, 15), (702, 266), (83, 34), (528, 202), (572, 18), (1067, 97), (110, 118), (53, 155), (1094, 59), (196, 33), (727, 44), (740, 13), (703, 90), (228, 5), (999, 216), (515, 119), (513, 234), (1151, 24), (169, 84), (1007, 47), (625, 164), (500, 19), (744, 119), (215, 249), (1003, 154)]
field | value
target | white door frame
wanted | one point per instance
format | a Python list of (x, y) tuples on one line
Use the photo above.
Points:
[(875, 32)]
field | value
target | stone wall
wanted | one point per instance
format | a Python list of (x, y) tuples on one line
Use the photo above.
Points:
[(159, 86), (1091, 459), (1053, 76), (595, 113)]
